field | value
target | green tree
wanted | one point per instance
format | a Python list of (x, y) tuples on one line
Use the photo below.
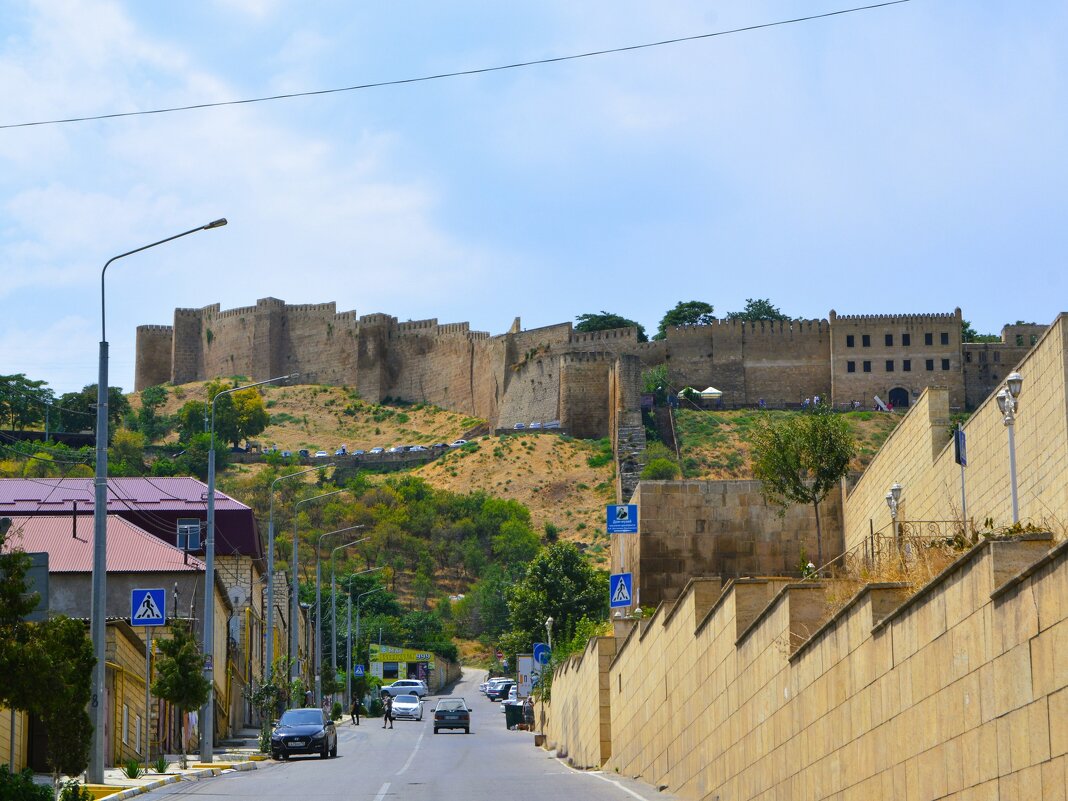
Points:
[(148, 419), (16, 674), (606, 321), (126, 456), (801, 457), (690, 312), (76, 411), (756, 310), (660, 470), (561, 584), (23, 401), (180, 673), (969, 334)]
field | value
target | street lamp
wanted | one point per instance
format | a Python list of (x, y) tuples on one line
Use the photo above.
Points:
[(318, 613), (269, 656), (294, 608), (360, 597), (1008, 403), (207, 712), (333, 604), (549, 631), (97, 621), (893, 498)]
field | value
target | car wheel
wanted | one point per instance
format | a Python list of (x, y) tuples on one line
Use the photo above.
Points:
[(275, 755), (333, 751), (435, 730), (467, 730), (325, 753)]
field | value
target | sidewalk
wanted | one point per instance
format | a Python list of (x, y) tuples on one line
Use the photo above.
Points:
[(117, 785)]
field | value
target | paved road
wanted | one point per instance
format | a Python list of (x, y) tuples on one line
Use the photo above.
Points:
[(411, 763)]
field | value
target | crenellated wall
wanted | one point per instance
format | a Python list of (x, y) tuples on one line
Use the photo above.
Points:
[(770, 692)]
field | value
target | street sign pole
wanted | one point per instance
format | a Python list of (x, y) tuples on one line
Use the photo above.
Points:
[(961, 453), (148, 691), (148, 608)]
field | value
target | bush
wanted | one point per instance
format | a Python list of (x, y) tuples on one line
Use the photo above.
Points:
[(20, 786), (660, 470), (72, 791)]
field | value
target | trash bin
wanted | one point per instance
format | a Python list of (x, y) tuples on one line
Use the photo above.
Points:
[(513, 714)]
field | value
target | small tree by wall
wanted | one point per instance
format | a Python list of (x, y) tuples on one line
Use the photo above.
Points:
[(180, 674)]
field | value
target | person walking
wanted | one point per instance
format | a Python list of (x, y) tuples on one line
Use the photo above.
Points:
[(354, 712), (387, 710)]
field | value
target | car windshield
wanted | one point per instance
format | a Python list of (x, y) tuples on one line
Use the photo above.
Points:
[(406, 699), (452, 703), (301, 717)]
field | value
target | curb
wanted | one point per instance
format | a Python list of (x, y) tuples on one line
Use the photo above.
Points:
[(197, 775)]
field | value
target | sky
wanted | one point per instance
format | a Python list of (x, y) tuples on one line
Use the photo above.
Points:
[(899, 160)]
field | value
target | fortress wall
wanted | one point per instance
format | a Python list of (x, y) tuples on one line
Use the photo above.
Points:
[(319, 344), (954, 693), (584, 394), (187, 359), (707, 355), (786, 361), (880, 379), (432, 369), (919, 454), (718, 528), (582, 721), (533, 393), (153, 364), (229, 348)]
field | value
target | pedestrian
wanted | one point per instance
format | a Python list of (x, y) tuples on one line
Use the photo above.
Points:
[(354, 712), (387, 710)]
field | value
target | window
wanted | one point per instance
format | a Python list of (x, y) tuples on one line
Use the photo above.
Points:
[(930, 365), (928, 339), (851, 367), (945, 364), (850, 341), (968, 356), (889, 365), (906, 339), (944, 338), (865, 340), (906, 365), (982, 357), (867, 367), (889, 340), (189, 533), (997, 356)]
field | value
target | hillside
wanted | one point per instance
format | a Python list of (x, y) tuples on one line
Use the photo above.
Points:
[(564, 482)]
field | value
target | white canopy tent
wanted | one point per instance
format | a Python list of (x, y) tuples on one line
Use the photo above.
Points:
[(711, 392)]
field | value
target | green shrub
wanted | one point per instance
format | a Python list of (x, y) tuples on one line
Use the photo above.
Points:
[(21, 787), (132, 769), (71, 790), (660, 470), (161, 764)]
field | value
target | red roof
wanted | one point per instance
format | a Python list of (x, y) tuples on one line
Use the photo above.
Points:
[(129, 549)]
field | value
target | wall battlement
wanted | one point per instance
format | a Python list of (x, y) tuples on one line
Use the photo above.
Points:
[(593, 337), (897, 318), (153, 327)]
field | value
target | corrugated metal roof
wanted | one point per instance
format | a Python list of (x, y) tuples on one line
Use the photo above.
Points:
[(29, 495), (129, 549)]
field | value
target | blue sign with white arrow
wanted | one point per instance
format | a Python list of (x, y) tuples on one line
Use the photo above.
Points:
[(542, 654), (148, 607), (623, 518), (620, 589), (357, 671)]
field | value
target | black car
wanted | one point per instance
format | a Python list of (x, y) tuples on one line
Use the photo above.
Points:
[(501, 693), (452, 713), (304, 731)]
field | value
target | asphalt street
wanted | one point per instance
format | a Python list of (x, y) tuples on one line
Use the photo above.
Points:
[(411, 763)]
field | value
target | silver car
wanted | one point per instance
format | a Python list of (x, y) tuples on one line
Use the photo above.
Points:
[(408, 706)]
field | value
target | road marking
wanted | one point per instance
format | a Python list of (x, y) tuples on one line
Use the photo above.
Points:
[(603, 778), (382, 792), (412, 756)]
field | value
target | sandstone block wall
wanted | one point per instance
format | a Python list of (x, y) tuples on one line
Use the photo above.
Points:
[(153, 359), (581, 724), (919, 455), (717, 528), (954, 693)]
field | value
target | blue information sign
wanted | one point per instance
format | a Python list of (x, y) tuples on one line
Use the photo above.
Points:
[(960, 448), (148, 607), (542, 654), (620, 589), (623, 518)]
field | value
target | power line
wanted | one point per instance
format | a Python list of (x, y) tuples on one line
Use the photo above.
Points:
[(456, 74)]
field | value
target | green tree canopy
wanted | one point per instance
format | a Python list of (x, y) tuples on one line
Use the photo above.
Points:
[(756, 310), (23, 401), (76, 411), (180, 672), (605, 321), (969, 334), (660, 470), (690, 312), (801, 457)]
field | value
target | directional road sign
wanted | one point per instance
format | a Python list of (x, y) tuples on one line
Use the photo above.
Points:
[(620, 589), (357, 671), (960, 447), (623, 518), (542, 653), (148, 607)]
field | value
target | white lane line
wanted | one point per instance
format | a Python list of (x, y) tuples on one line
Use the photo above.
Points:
[(382, 792), (412, 756), (603, 778)]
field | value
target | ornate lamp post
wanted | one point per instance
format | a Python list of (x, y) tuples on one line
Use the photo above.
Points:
[(549, 631), (1008, 403), (318, 610), (893, 498)]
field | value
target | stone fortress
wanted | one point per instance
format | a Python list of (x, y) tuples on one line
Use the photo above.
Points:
[(588, 381)]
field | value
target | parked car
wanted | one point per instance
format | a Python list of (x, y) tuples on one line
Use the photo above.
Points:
[(452, 713), (401, 686), (322, 455), (513, 697), (304, 731), (501, 691), (494, 684), (437, 445), (378, 450), (408, 706), (358, 453), (342, 451), (534, 425), (303, 452), (286, 454), (552, 424), (458, 443), (415, 448), (395, 449), (518, 426)]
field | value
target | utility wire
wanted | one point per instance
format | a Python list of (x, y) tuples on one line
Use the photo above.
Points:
[(456, 74)]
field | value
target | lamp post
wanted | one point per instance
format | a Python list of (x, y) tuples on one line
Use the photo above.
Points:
[(318, 612), (893, 498), (333, 604), (294, 608), (207, 713), (359, 598), (97, 620), (269, 656), (1008, 403), (549, 631)]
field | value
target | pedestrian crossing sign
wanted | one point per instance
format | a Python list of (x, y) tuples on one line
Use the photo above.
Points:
[(620, 589), (357, 671), (148, 607)]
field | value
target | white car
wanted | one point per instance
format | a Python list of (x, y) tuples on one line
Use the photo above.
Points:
[(322, 455), (408, 706), (458, 443), (402, 686)]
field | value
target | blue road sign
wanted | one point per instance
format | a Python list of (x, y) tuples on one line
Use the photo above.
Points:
[(620, 589), (623, 518), (357, 671), (960, 447), (542, 654), (148, 607)]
